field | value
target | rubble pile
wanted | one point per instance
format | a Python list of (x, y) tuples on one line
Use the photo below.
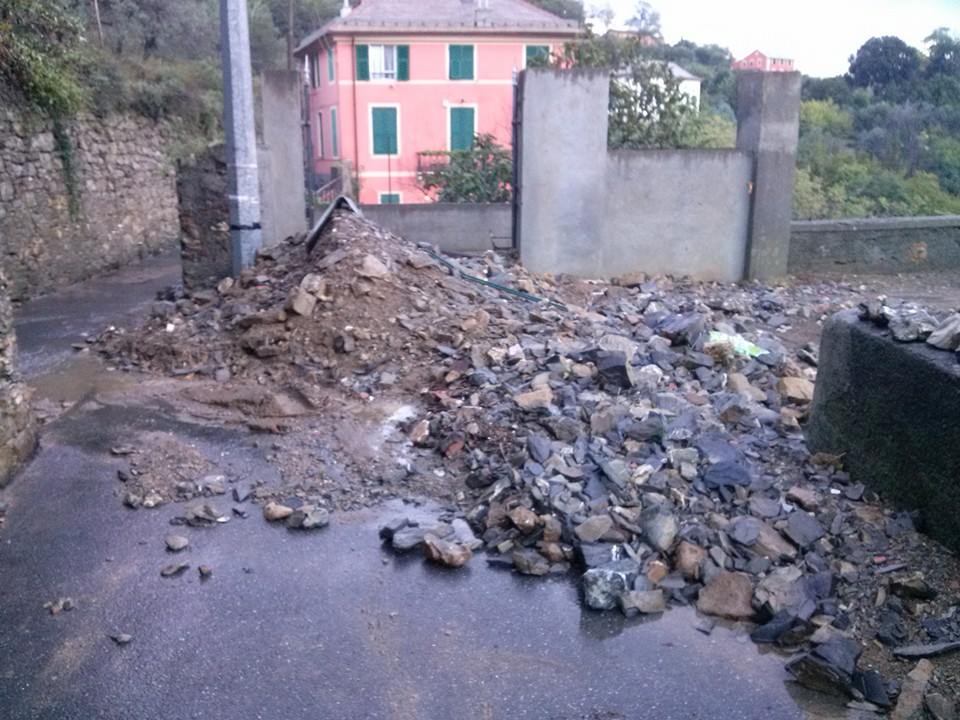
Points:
[(910, 322), (363, 306), (645, 434)]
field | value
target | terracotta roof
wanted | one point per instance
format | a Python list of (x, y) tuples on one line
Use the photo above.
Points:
[(446, 16)]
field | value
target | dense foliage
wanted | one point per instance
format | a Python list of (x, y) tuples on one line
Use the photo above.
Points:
[(159, 58), (482, 174), (885, 139)]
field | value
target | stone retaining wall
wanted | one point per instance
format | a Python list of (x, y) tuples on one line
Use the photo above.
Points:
[(876, 245), (124, 203), (17, 432)]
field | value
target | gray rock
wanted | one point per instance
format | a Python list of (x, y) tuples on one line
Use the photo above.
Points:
[(727, 474), (803, 529), (530, 562), (660, 529), (176, 543), (642, 602), (602, 586)]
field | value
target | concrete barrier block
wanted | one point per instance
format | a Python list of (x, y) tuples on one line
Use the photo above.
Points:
[(893, 411)]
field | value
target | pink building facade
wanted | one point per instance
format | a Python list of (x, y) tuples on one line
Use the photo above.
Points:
[(392, 79), (758, 61)]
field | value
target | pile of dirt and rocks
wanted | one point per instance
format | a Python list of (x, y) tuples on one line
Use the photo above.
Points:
[(645, 434)]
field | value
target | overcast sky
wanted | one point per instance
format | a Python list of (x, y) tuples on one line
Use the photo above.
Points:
[(819, 34)]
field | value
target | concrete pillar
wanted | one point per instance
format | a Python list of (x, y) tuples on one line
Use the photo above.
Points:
[(563, 154), (282, 181), (238, 122), (768, 125)]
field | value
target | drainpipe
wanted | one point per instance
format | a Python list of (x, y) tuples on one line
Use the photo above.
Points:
[(356, 135)]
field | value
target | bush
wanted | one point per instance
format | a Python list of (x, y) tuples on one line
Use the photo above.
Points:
[(482, 174)]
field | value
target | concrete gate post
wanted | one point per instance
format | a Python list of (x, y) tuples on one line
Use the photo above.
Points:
[(282, 177), (563, 169), (768, 125)]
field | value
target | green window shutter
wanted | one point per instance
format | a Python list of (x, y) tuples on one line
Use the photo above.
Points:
[(330, 64), (462, 128), (537, 55), (390, 198), (363, 62), (403, 62), (384, 131), (334, 133), (461, 62)]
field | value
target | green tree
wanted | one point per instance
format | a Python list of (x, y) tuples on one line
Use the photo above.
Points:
[(480, 175), (825, 116), (884, 63), (944, 53), (645, 20)]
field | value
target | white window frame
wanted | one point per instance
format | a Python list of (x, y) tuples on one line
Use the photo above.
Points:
[(398, 193), (476, 120), (335, 132), (476, 66), (321, 150), (370, 110), (383, 74), (526, 47)]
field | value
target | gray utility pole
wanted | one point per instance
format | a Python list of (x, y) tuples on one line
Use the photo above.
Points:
[(238, 120)]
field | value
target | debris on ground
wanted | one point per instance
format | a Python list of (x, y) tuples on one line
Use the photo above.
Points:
[(121, 638), (645, 433), (60, 605), (174, 570)]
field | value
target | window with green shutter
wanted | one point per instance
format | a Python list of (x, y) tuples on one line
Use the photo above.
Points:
[(330, 73), (538, 55), (384, 130), (334, 133), (363, 62), (461, 62), (462, 127), (403, 62), (388, 198)]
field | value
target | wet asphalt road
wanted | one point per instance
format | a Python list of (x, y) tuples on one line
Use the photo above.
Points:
[(319, 625)]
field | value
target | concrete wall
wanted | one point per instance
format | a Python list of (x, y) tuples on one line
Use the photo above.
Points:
[(280, 156), (890, 409), (588, 212), (453, 227), (680, 212), (882, 245), (125, 199), (17, 429)]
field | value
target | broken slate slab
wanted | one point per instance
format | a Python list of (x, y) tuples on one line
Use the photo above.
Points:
[(727, 474), (913, 652), (803, 529)]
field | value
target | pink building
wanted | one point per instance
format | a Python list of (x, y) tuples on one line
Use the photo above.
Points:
[(392, 78), (758, 61)]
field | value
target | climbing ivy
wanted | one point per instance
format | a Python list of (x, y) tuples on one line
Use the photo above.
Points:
[(40, 45)]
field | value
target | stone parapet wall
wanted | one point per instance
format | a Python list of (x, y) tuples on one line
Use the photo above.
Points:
[(17, 430), (123, 206), (875, 245)]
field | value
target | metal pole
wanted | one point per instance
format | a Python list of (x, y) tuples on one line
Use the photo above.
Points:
[(238, 121)]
